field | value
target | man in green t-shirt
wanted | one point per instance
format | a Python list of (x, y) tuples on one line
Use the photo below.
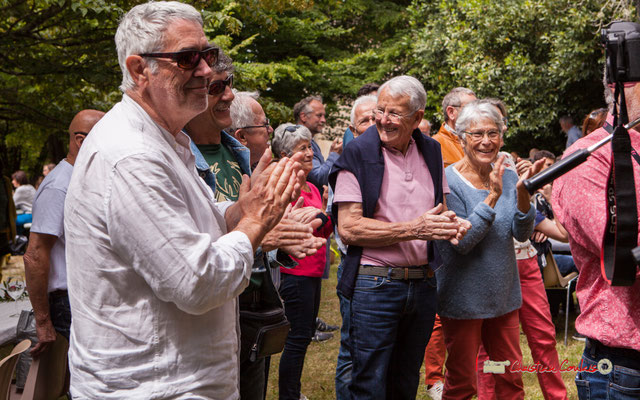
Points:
[(221, 161)]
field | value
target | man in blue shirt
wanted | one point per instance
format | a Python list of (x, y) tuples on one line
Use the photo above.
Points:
[(310, 112), (572, 131)]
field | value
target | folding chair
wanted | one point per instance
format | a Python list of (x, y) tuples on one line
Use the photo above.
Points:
[(47, 375), (553, 279), (8, 366)]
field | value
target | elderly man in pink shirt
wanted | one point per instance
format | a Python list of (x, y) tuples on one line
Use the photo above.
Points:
[(389, 189)]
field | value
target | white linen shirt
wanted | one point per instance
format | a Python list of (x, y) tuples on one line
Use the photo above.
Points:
[(153, 274)]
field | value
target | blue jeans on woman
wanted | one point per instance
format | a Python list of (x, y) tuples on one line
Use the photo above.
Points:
[(391, 323), (344, 364), (621, 383), (301, 295)]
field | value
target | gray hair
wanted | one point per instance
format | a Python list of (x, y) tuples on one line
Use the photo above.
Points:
[(284, 141), (303, 107), (360, 100), (474, 111), (240, 110), (224, 63), (454, 99), (406, 85), (142, 30)]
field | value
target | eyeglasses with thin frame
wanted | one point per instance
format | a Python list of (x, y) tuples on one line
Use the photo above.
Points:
[(265, 125), (392, 116), (216, 87), (492, 134), (188, 59)]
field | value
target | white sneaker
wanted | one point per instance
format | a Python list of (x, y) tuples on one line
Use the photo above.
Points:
[(435, 391)]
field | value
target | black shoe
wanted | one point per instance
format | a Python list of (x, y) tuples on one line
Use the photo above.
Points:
[(321, 336), (324, 327)]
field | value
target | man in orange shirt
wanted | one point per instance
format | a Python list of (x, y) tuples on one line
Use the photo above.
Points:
[(451, 153), (451, 106)]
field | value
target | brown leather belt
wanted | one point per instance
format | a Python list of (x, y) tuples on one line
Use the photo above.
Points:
[(401, 273)]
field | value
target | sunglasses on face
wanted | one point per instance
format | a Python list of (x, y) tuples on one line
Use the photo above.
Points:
[(218, 86), (188, 59)]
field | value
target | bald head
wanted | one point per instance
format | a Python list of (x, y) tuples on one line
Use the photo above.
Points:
[(79, 128)]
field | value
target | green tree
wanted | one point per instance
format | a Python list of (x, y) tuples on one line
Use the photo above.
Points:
[(542, 57)]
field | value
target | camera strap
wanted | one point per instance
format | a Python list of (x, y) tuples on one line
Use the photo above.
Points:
[(621, 233)]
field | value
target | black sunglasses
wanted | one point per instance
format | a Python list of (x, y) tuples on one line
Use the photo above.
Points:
[(292, 128), (265, 125), (188, 59), (217, 87)]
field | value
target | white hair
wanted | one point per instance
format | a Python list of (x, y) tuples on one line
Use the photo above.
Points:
[(142, 30), (406, 85), (240, 110), (284, 141), (361, 100), (475, 111)]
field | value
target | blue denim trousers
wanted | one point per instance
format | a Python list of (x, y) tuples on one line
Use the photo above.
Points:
[(391, 323), (60, 312), (343, 367), (622, 383)]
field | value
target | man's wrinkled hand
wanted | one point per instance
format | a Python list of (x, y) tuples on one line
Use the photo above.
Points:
[(308, 246), (287, 233), (46, 336)]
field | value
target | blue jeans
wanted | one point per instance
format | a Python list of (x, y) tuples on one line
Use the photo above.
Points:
[(391, 323), (60, 312), (565, 263), (343, 367), (622, 383), (301, 295)]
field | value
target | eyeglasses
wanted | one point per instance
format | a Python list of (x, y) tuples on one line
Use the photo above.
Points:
[(188, 59), (492, 134), (217, 86), (265, 125), (367, 119), (392, 116), (292, 128), (81, 133)]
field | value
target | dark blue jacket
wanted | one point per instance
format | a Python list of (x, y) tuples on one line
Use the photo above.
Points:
[(363, 158)]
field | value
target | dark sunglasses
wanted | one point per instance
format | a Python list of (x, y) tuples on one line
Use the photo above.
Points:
[(292, 128), (217, 87), (188, 59)]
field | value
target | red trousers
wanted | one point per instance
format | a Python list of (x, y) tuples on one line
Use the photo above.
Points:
[(535, 318), (435, 354), (500, 337)]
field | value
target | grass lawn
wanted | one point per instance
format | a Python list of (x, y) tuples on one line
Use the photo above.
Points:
[(320, 363)]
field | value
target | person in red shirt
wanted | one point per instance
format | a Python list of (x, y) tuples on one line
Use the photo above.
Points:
[(300, 287), (610, 314)]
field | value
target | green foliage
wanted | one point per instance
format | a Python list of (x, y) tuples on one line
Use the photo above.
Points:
[(541, 57)]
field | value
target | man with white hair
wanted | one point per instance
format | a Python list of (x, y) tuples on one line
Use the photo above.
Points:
[(388, 214), (250, 125), (154, 265), (362, 117)]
